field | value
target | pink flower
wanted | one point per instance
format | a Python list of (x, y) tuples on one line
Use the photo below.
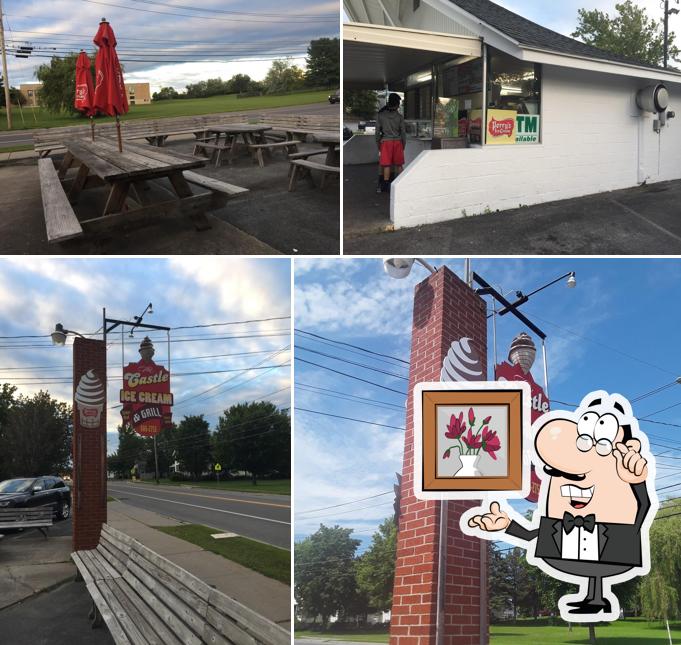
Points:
[(456, 427), (447, 454), (471, 416), (471, 440), (490, 442), (486, 420)]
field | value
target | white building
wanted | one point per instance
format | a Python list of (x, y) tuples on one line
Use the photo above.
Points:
[(503, 112)]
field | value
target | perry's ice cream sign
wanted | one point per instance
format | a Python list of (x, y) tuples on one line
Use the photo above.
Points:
[(146, 395), (507, 127), (90, 397), (501, 127)]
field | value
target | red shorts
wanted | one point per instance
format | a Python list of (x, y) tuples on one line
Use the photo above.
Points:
[(392, 153)]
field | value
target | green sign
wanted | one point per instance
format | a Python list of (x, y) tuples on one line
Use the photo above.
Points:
[(527, 128), (218, 468)]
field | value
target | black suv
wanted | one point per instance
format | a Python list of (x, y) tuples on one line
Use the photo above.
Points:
[(37, 491)]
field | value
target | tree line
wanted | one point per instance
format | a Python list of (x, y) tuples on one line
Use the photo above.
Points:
[(332, 580), (322, 70), (36, 435), (249, 437)]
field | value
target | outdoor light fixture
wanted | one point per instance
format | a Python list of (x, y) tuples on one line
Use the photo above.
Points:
[(523, 298), (400, 268), (59, 335)]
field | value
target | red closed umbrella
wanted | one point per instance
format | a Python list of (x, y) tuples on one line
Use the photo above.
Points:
[(85, 93), (110, 94)]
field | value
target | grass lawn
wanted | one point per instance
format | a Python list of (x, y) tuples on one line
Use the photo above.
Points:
[(28, 146), (273, 486), (263, 558), (162, 109), (623, 632), (358, 637)]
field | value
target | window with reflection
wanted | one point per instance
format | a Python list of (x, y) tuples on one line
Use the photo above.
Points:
[(513, 100)]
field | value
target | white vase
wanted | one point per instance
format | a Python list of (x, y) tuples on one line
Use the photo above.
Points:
[(470, 466)]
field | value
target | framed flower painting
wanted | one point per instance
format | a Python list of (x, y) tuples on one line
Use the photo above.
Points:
[(471, 439)]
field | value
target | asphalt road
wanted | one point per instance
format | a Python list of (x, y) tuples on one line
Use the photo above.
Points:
[(258, 516), (24, 137)]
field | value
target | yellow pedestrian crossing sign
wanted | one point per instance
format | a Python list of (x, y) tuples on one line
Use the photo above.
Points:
[(218, 468)]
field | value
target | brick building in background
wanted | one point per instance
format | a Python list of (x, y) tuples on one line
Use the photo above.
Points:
[(445, 310), (138, 93)]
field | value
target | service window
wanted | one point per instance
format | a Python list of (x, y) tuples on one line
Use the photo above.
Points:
[(513, 100)]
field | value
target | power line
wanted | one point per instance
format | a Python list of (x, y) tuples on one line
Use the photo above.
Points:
[(354, 501), (201, 326), (362, 401), (340, 342), (211, 18), (337, 416), (608, 347), (264, 14), (356, 378), (345, 360)]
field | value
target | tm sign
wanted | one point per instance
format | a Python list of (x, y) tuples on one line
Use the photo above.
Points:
[(527, 128)]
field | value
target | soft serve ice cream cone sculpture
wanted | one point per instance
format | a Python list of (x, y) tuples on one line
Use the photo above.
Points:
[(90, 397)]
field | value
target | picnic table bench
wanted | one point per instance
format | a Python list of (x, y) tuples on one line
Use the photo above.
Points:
[(129, 178), (301, 164), (37, 517), (156, 131), (145, 598)]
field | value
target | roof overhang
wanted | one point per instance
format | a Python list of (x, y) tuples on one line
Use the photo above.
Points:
[(377, 56), (505, 43), (533, 55)]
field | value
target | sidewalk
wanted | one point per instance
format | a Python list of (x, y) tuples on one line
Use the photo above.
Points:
[(20, 154), (268, 597), (31, 564)]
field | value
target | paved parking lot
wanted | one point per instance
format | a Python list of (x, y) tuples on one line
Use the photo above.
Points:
[(638, 221)]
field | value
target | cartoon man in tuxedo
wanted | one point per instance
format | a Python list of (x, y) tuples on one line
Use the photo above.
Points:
[(595, 502)]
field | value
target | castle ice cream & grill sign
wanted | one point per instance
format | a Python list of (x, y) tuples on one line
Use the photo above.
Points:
[(146, 397)]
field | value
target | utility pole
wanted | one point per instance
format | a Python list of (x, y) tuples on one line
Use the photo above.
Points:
[(667, 12), (5, 79)]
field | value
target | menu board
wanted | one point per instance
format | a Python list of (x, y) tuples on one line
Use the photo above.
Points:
[(462, 79)]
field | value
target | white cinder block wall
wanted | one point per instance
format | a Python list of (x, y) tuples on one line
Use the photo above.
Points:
[(594, 139)]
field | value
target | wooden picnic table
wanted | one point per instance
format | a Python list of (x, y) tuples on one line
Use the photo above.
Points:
[(250, 134), (331, 140), (127, 176)]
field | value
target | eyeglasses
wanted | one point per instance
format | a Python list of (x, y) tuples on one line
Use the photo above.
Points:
[(585, 442)]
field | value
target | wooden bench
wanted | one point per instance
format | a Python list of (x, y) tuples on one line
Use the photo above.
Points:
[(37, 517), (202, 145), (156, 131), (60, 220), (214, 184), (256, 149), (144, 598), (302, 165)]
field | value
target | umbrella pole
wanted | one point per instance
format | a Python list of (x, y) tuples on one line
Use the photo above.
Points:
[(92, 127), (118, 131)]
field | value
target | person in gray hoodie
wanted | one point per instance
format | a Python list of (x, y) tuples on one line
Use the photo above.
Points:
[(391, 138)]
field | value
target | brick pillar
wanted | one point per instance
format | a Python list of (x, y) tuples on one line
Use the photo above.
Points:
[(89, 449), (445, 310)]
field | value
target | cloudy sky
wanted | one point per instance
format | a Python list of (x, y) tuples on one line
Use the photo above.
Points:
[(617, 331), (37, 293), (171, 42)]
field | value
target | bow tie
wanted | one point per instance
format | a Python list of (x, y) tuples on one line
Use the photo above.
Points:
[(570, 521)]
